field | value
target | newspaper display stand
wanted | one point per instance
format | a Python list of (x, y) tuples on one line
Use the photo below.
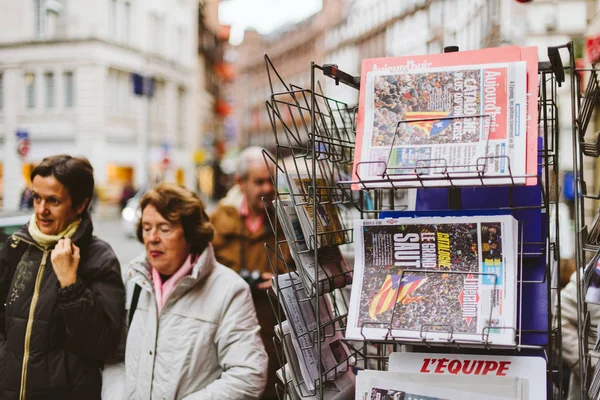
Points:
[(584, 99), (315, 139)]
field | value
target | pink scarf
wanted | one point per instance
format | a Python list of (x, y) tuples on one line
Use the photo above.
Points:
[(164, 290)]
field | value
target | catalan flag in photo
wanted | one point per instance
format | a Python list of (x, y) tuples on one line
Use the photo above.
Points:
[(384, 300), (428, 122)]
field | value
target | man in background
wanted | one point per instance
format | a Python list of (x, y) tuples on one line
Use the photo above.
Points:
[(241, 230)]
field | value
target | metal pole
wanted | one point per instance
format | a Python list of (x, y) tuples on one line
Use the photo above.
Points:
[(313, 151), (579, 253)]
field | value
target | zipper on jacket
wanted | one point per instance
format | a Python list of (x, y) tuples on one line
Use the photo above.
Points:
[(34, 300)]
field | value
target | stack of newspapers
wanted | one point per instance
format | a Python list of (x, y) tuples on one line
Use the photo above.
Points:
[(329, 229), (298, 336), (454, 377), (448, 279), (295, 216)]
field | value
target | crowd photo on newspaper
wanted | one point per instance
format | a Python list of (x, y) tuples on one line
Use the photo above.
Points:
[(422, 98)]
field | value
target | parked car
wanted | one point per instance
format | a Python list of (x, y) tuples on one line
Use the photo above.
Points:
[(10, 222), (131, 213)]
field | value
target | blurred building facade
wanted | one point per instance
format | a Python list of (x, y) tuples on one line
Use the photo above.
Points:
[(344, 33), (65, 79), (386, 28), (291, 49), (213, 109)]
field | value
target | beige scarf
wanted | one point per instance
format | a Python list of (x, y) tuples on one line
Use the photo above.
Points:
[(50, 240)]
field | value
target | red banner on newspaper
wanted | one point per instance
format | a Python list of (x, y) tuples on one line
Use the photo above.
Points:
[(494, 99)]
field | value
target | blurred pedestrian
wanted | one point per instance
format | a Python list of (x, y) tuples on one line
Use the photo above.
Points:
[(61, 290), (26, 202), (241, 231), (570, 334), (127, 193), (193, 330)]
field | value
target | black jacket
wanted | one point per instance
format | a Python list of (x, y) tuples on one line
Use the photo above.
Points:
[(53, 341)]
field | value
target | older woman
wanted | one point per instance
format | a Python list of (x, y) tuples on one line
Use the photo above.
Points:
[(193, 331)]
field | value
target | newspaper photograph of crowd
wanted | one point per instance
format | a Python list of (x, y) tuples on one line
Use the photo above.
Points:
[(422, 98), (426, 301)]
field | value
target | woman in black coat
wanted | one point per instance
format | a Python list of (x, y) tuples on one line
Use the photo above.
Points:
[(62, 297)]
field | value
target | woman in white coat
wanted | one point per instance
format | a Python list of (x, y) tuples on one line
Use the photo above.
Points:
[(193, 332)]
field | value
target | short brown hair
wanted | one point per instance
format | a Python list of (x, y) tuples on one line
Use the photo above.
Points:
[(76, 174), (178, 204)]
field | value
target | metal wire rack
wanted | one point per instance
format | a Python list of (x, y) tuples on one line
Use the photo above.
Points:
[(315, 139)]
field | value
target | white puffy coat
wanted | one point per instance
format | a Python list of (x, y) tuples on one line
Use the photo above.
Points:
[(205, 343)]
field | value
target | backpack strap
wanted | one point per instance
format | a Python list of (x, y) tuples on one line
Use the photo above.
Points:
[(134, 302)]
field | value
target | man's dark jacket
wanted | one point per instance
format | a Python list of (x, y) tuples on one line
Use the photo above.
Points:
[(53, 341)]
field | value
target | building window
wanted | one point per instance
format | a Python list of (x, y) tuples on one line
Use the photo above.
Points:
[(123, 92), (113, 91), (112, 19), (30, 89), (40, 18), (181, 116), (1, 92), (49, 82), (48, 17), (127, 22), (119, 92), (158, 33), (69, 89), (181, 43)]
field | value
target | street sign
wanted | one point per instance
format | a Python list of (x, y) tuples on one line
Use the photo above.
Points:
[(23, 143), (22, 135)]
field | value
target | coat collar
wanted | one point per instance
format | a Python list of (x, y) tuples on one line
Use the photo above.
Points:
[(81, 237), (139, 269)]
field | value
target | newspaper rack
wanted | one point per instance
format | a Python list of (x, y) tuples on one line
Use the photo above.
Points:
[(583, 103), (315, 136)]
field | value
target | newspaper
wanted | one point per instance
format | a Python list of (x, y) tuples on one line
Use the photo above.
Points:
[(471, 368), (299, 311), (449, 278), (329, 229), (330, 392), (446, 122), (593, 237), (384, 385), (340, 389), (333, 270)]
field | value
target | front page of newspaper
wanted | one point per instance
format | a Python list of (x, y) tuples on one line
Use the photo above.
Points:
[(470, 368), (340, 389), (392, 385), (445, 122), (451, 278)]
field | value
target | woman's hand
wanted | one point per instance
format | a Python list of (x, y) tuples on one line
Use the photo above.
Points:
[(65, 261)]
